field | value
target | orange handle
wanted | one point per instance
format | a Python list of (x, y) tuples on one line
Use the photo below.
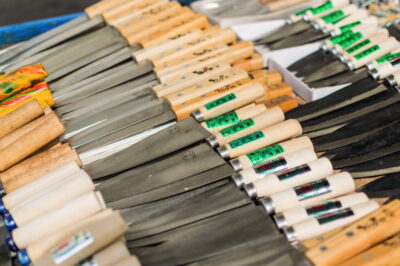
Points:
[(275, 91), (252, 63), (19, 117), (286, 103), (102, 6), (365, 233)]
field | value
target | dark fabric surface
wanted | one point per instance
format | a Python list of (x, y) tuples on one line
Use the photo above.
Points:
[(17, 11)]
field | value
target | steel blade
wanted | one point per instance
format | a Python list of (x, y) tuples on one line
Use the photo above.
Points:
[(42, 37), (327, 71), (186, 163), (149, 110), (381, 166), (284, 31), (311, 67), (348, 77), (384, 187), (307, 60), (308, 36), (353, 93), (173, 138)]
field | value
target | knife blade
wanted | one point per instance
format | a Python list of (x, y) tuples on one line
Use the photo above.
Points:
[(387, 186), (384, 165)]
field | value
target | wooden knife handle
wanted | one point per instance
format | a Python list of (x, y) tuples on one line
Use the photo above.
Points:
[(130, 261), (196, 22), (268, 136), (103, 6), (30, 142), (312, 242), (385, 253), (33, 161), (276, 90), (267, 77), (230, 101), (255, 62), (25, 178), (285, 102), (368, 231), (125, 8), (53, 177), (80, 208), (111, 254), (20, 117)]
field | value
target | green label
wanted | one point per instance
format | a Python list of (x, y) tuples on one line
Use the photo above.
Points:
[(223, 120), (290, 173), (264, 154), (322, 8), (220, 101), (246, 139), (312, 189), (330, 217), (341, 37), (387, 57), (323, 208), (300, 13), (229, 131), (367, 52), (333, 17), (358, 46), (349, 26), (351, 40)]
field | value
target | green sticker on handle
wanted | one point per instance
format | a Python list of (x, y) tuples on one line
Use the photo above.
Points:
[(245, 124), (367, 52), (351, 40), (341, 37), (264, 154), (358, 46), (334, 17), (387, 57), (302, 12), (227, 98), (246, 139), (322, 8), (349, 26), (223, 120)]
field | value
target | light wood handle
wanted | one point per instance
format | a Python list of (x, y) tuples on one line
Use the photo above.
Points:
[(255, 62), (131, 261), (370, 230), (191, 78), (33, 161), (208, 85), (196, 22), (223, 121), (232, 101), (51, 198), (282, 4), (385, 253), (20, 117), (111, 254), (285, 102), (275, 91), (25, 178), (353, 17), (30, 142), (103, 6), (53, 177), (163, 24), (125, 8), (36, 230), (268, 136), (310, 243)]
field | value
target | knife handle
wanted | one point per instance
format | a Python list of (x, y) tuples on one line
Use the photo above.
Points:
[(197, 22), (358, 15), (359, 236), (52, 177), (163, 23), (223, 121), (282, 4), (324, 223), (386, 69), (132, 260), (335, 16), (125, 9), (379, 37), (268, 136), (324, 9), (385, 253), (33, 161), (269, 184), (252, 63), (80, 208), (248, 126), (274, 91), (191, 78), (306, 194), (230, 102), (102, 6), (285, 102), (51, 198), (270, 152), (20, 117), (111, 255), (22, 179), (30, 142)]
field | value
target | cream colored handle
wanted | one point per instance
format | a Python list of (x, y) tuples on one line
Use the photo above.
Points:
[(51, 198), (346, 11), (356, 16), (385, 70), (287, 179), (232, 101), (253, 63), (111, 254), (51, 178), (375, 39), (268, 136), (318, 225), (270, 152), (365, 233), (30, 142), (250, 125), (282, 4), (131, 261), (191, 78), (333, 186), (103, 6), (20, 117), (49, 223), (208, 85), (299, 214), (326, 8), (22, 179), (223, 121)]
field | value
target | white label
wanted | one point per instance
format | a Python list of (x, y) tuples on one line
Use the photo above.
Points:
[(73, 246)]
